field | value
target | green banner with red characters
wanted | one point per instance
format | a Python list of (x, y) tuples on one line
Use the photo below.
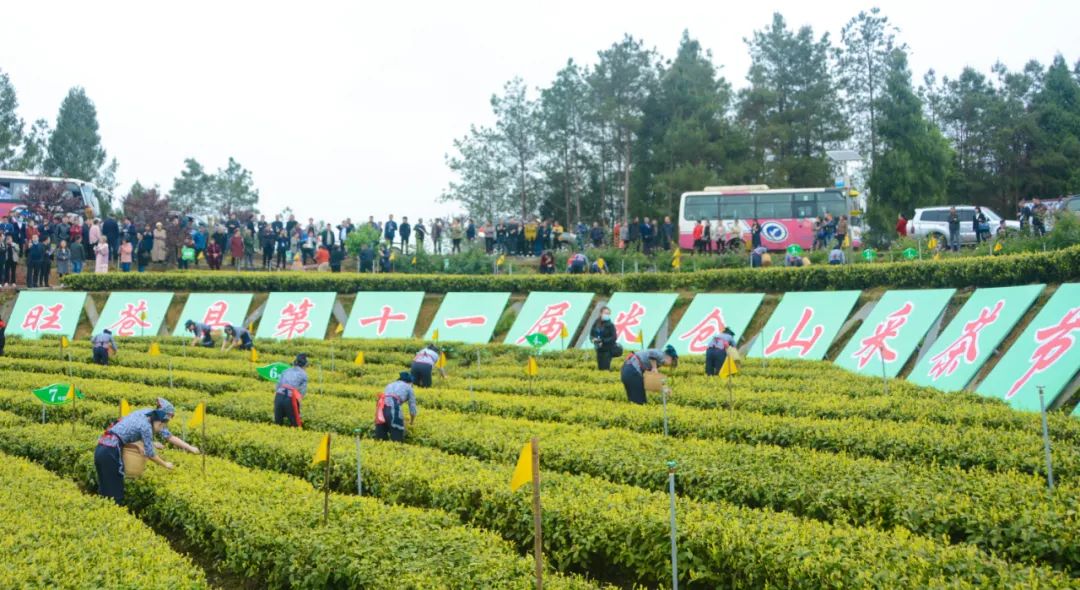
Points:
[(467, 317), (46, 313), (1046, 355), (971, 337), (707, 317), (384, 314), (893, 330), (550, 314), (129, 314), (215, 310), (804, 324), (290, 316), (637, 313)]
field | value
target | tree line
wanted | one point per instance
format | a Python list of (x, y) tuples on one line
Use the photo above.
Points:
[(627, 135), (73, 149)]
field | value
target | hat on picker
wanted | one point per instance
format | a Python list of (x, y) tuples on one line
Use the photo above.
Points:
[(166, 406), (405, 376), (301, 360)]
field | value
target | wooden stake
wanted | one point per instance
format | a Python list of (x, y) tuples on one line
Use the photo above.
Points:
[(326, 485), (202, 451), (538, 535)]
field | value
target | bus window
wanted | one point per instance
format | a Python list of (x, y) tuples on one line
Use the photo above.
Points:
[(774, 206), (804, 205), (701, 207), (737, 207), (831, 202)]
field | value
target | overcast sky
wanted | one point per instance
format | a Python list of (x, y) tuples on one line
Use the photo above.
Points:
[(348, 108)]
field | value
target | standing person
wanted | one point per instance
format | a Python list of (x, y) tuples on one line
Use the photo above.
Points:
[(954, 229), (78, 256), (389, 418), (1038, 217), (146, 247), (422, 364), (337, 256), (111, 231), (390, 230), (236, 337), (980, 225), (456, 235), (699, 237), (213, 256), (841, 231), (421, 233), (290, 391), (160, 249), (635, 365), (9, 258), (470, 230), (35, 262), (250, 244), (406, 231), (717, 351), (755, 235), (63, 260), (901, 226), (281, 248), (104, 346), (436, 236), (202, 334), (236, 248), (596, 235), (646, 236), (125, 253), (633, 235), (267, 240), (108, 456), (604, 340)]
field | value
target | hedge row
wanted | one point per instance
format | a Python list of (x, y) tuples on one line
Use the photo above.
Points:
[(267, 526), (615, 530), (1056, 266), (54, 536)]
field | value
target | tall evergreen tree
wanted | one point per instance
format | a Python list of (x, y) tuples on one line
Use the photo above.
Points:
[(563, 113), (35, 148), (1055, 109), (867, 41), (483, 178), (75, 145), (913, 167), (791, 108), (518, 128), (234, 189), (192, 191), (11, 126)]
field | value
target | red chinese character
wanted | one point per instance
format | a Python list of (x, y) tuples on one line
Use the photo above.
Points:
[(1054, 342), (549, 323), (966, 346), (215, 315), (34, 322), (877, 343), (699, 335), (383, 320), (131, 318), (472, 320), (626, 321), (293, 321), (804, 345)]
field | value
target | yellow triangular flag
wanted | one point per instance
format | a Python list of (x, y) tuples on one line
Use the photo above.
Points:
[(254, 355), (847, 241), (563, 333), (640, 339), (729, 368), (64, 342), (414, 260), (931, 243), (600, 263), (441, 363), (997, 247), (532, 369), (523, 472), (339, 329), (676, 262), (142, 315), (125, 408), (937, 256), (435, 335), (251, 327), (359, 360), (198, 417), (323, 452), (500, 260), (155, 349), (71, 392)]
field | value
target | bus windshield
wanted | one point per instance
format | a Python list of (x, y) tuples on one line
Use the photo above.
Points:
[(14, 186)]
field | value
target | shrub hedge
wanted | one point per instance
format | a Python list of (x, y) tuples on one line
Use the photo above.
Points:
[(1057, 266)]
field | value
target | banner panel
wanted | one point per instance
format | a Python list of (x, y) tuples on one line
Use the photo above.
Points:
[(804, 325), (384, 314), (637, 312), (468, 317), (134, 314), (288, 316), (893, 330), (548, 314), (708, 315), (46, 313)]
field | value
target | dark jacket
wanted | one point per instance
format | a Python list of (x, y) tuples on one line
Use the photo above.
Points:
[(604, 332)]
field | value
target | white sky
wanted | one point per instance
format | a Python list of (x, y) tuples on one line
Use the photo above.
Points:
[(340, 108)]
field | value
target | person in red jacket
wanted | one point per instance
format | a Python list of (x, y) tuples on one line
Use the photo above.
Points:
[(901, 225)]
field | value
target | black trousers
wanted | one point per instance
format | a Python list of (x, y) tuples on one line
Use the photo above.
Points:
[(245, 343), (283, 411), (101, 355), (384, 431), (634, 383), (603, 359), (110, 473), (714, 359), (421, 374)]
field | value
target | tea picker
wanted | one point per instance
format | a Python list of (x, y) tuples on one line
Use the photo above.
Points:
[(423, 363), (642, 365), (237, 337), (389, 416), (202, 334), (104, 346), (290, 390)]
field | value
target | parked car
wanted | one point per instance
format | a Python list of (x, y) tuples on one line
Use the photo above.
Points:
[(1071, 204), (934, 222)]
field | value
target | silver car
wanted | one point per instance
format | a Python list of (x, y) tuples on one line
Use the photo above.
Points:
[(934, 222)]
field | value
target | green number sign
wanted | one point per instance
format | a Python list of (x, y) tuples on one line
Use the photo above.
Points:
[(272, 371), (45, 313), (56, 394), (893, 330)]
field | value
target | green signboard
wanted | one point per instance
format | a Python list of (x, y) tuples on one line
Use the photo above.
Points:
[(549, 314), (804, 325), (214, 309), (707, 317), (971, 337), (893, 330), (134, 314), (272, 371), (468, 317), (57, 394), (634, 313), (1046, 355), (384, 314), (288, 316), (45, 313)]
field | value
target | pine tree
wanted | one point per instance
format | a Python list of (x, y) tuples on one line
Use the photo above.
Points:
[(75, 146), (191, 191), (11, 126)]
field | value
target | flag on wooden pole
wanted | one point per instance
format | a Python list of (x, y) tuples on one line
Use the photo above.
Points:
[(339, 329), (254, 355), (523, 471), (322, 453), (435, 335), (64, 342), (197, 417), (441, 363), (125, 408), (359, 360), (155, 349), (729, 367), (532, 369)]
